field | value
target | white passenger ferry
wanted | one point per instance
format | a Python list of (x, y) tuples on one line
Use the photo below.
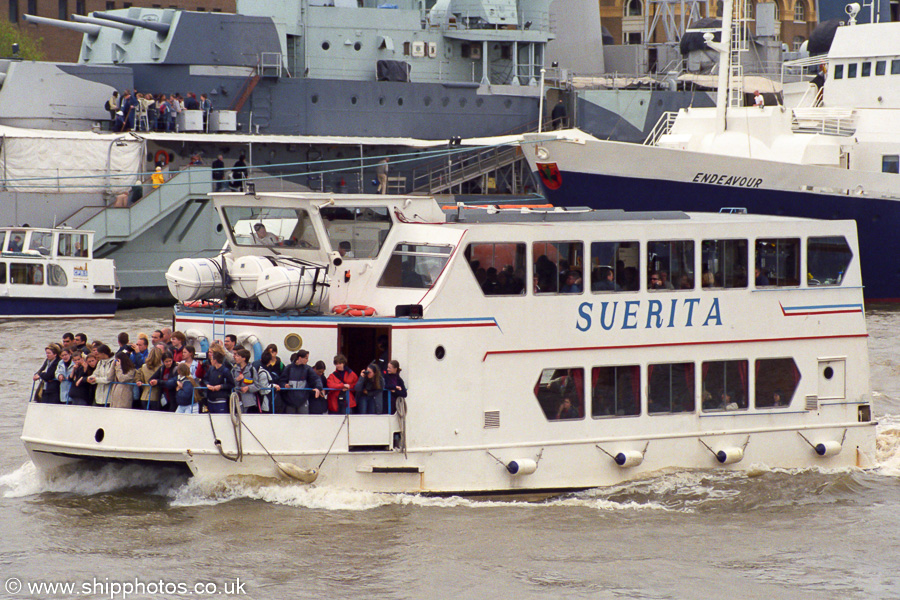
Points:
[(51, 273), (543, 350)]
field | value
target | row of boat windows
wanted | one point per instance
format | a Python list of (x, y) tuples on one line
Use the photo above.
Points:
[(669, 388), (32, 274), (866, 69), (68, 244), (559, 267)]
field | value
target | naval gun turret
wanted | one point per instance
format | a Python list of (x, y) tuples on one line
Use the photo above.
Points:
[(89, 29)]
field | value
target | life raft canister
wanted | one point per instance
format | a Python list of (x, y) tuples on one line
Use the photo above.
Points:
[(353, 310)]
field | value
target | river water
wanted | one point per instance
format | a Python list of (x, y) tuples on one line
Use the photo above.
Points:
[(126, 532)]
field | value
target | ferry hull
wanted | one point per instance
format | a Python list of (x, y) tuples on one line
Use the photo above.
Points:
[(59, 435), (56, 308)]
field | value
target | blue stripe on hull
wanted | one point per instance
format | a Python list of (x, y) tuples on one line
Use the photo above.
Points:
[(56, 307), (876, 220)]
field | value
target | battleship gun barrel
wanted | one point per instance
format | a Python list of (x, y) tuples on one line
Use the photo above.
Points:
[(103, 23), (82, 27), (156, 26)]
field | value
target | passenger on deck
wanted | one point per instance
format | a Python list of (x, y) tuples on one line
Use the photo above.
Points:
[(238, 174), (218, 174), (370, 392), (166, 377), (393, 385), (79, 392), (63, 374), (345, 249), (219, 383), (319, 406), (103, 375), (296, 382), (340, 384), (150, 395), (121, 395), (47, 374), (184, 391), (245, 381), (264, 237), (177, 342), (189, 358), (228, 345)]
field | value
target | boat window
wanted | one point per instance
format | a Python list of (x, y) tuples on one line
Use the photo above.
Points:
[(614, 266), (890, 163), (615, 391), (41, 241), (558, 267), (827, 260), (671, 264), (776, 381), (724, 385), (72, 244), (560, 392), (838, 71), (880, 67), (851, 70), (670, 388), (16, 241), (895, 67), (499, 269), (778, 261), (866, 69), (254, 226), (724, 263), (2, 272), (414, 265), (56, 275), (356, 232), (26, 274)]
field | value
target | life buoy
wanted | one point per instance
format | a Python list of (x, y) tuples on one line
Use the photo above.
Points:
[(161, 158), (353, 310)]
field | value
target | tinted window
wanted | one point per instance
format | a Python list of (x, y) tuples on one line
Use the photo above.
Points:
[(558, 267), (671, 264), (866, 69), (827, 260), (890, 163), (560, 393), (499, 269), (253, 226), (778, 262), (615, 391), (414, 265), (838, 71), (851, 70), (609, 262), (26, 274), (356, 232), (724, 263), (670, 388), (724, 385), (880, 67), (895, 67), (776, 382)]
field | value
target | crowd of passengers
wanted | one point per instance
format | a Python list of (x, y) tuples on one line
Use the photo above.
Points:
[(136, 111), (164, 373)]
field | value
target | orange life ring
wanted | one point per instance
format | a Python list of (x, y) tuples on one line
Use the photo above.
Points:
[(162, 162), (353, 310)]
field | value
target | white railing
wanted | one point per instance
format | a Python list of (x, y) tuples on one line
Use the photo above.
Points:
[(663, 127), (827, 121)]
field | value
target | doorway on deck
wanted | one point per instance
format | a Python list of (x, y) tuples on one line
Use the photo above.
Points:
[(364, 344)]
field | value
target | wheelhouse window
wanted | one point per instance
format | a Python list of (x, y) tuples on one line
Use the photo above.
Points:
[(41, 241), (560, 393), (414, 265), (851, 70), (615, 391), (670, 388), (614, 266), (838, 71), (866, 69), (499, 269), (252, 226), (778, 262), (15, 241), (776, 381), (26, 274), (895, 67), (56, 276), (558, 267), (880, 67), (72, 244), (724, 385), (724, 263), (890, 163), (356, 232), (827, 260), (671, 264)]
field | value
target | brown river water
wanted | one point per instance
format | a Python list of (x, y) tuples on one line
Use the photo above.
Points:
[(126, 532)]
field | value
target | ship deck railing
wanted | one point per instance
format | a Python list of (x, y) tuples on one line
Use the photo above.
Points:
[(823, 120)]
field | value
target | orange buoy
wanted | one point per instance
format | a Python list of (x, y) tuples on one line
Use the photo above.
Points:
[(353, 310)]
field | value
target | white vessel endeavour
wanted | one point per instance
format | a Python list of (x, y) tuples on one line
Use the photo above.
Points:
[(543, 351)]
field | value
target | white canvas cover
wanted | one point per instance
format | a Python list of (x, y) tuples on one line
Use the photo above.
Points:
[(68, 161)]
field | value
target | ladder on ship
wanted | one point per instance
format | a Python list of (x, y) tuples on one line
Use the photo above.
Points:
[(454, 171)]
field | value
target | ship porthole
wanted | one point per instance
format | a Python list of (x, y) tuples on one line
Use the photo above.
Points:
[(427, 101), (293, 342), (828, 373), (479, 102), (314, 99), (99, 435), (507, 103), (353, 100), (445, 101), (462, 102), (381, 101), (399, 101), (325, 45), (357, 46), (439, 353)]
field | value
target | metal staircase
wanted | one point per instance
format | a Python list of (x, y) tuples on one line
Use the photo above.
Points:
[(116, 226), (453, 171)]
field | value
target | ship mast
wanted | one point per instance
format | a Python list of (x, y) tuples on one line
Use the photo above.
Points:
[(724, 49)]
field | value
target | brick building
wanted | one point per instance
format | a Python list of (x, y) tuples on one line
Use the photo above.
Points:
[(64, 45)]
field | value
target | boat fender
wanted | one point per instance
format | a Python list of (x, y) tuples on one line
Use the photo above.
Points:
[(730, 455), (196, 334), (353, 310), (629, 458), (292, 471), (251, 342), (521, 466), (829, 448), (161, 158)]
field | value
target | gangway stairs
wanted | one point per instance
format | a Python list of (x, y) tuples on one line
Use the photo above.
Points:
[(455, 170), (115, 227)]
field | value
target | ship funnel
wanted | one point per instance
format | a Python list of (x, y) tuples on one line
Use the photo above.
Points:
[(103, 23), (156, 26), (87, 28)]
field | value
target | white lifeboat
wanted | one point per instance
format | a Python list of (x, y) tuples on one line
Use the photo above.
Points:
[(245, 273), (283, 287), (191, 279)]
